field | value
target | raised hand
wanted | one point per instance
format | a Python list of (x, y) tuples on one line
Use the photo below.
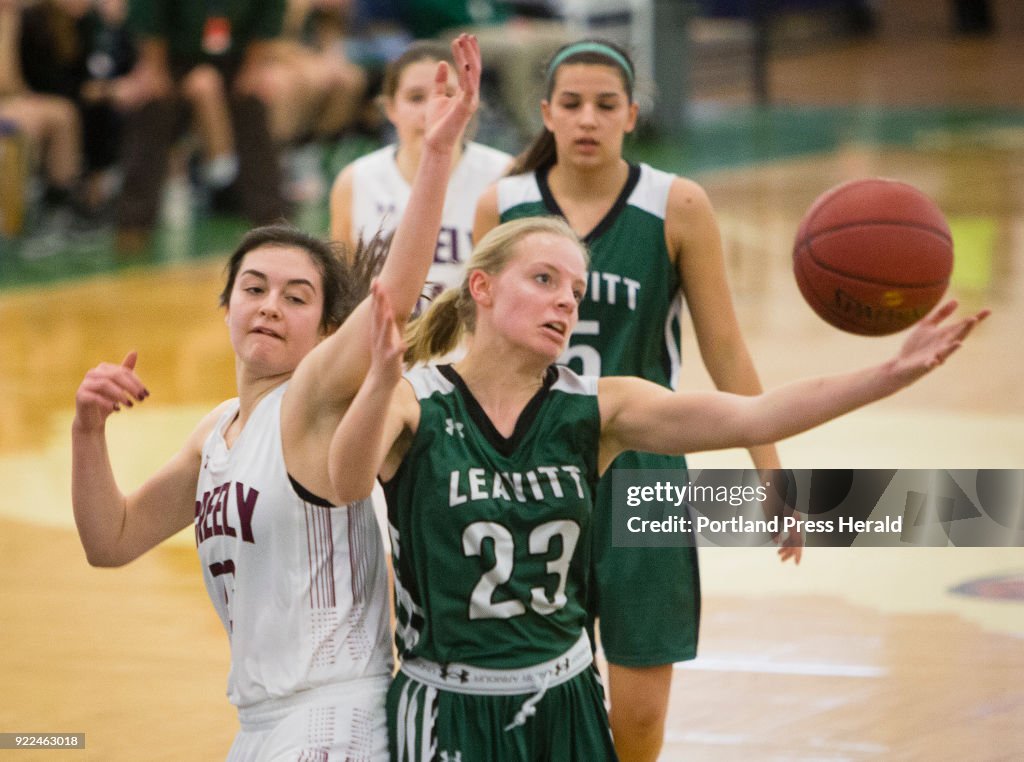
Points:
[(105, 389), (386, 345), (449, 113), (932, 341)]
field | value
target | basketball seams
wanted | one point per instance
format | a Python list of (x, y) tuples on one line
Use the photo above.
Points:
[(819, 305), (903, 224), (871, 281)]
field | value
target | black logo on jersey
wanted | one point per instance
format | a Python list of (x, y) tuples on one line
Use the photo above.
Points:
[(462, 675)]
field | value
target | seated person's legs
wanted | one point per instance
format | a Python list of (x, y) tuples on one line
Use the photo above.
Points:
[(52, 132), (206, 93)]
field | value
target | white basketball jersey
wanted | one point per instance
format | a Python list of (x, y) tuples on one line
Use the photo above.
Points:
[(300, 588), (380, 195)]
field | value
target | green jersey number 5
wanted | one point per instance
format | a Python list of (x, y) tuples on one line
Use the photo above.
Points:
[(590, 358)]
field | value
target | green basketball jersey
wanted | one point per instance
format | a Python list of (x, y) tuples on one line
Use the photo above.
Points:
[(491, 536), (629, 318)]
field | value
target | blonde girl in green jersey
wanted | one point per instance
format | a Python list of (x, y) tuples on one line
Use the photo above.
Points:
[(489, 466)]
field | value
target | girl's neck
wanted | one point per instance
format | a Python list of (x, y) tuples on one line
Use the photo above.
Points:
[(502, 388), (407, 157), (251, 391), (568, 181)]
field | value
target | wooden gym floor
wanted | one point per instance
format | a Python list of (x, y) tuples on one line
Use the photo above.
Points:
[(858, 654)]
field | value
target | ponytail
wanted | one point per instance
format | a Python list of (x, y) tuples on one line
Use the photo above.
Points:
[(437, 331), (540, 154)]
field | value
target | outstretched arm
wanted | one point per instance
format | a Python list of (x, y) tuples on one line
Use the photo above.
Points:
[(372, 423), (116, 528), (327, 379), (639, 415), (447, 118), (330, 375)]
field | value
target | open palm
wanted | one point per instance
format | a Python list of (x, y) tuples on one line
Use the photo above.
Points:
[(449, 113), (933, 340)]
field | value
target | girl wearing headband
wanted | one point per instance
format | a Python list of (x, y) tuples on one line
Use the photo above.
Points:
[(655, 246)]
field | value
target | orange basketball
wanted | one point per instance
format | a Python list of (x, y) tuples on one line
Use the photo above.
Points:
[(873, 256)]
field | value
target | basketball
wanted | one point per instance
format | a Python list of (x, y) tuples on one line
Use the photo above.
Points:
[(873, 256)]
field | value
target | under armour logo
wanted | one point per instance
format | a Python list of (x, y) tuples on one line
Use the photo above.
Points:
[(462, 675), (447, 756), (562, 666), (451, 427)]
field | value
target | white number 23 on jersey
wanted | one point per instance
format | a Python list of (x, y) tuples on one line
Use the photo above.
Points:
[(481, 603)]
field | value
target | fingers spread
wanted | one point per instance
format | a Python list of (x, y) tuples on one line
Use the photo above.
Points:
[(943, 312)]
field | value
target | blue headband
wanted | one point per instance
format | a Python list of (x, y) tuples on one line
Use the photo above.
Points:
[(592, 47)]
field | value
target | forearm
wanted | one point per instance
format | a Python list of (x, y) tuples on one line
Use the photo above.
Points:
[(99, 505), (415, 240), (802, 405), (764, 457), (358, 446), (732, 370)]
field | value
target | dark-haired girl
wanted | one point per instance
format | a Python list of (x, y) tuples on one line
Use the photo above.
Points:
[(296, 575)]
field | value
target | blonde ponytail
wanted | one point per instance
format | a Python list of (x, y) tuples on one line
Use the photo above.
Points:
[(437, 331)]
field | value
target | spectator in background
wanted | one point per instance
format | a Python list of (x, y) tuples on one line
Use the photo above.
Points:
[(74, 48), (334, 85), (175, 37), (377, 35), (206, 93), (48, 123), (516, 48), (313, 91)]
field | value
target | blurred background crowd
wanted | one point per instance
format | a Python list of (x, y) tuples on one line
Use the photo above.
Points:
[(112, 109)]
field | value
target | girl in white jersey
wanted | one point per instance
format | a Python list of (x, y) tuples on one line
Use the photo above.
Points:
[(458, 692), (295, 574), (371, 193)]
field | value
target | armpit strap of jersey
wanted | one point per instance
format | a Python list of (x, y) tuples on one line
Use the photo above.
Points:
[(308, 496)]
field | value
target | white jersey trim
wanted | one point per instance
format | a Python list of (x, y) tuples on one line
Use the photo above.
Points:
[(516, 190), (570, 382), (428, 380), (651, 193)]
